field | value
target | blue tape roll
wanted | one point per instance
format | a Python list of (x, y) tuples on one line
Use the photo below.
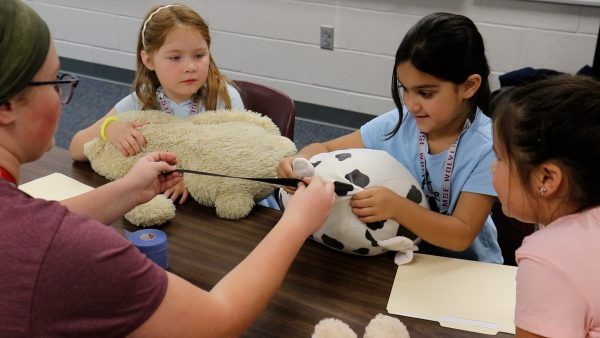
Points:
[(152, 243)]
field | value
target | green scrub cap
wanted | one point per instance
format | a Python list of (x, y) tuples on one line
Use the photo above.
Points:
[(24, 44)]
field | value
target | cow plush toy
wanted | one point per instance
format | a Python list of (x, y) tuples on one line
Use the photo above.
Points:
[(353, 170), (234, 143)]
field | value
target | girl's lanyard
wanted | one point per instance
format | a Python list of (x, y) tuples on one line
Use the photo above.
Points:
[(448, 167), (164, 104), (7, 176)]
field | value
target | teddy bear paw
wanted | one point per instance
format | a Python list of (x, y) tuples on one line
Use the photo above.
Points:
[(333, 328), (154, 212), (385, 326)]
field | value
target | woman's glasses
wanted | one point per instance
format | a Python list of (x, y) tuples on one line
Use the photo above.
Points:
[(64, 85)]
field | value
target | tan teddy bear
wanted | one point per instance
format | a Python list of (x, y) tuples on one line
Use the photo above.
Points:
[(234, 143)]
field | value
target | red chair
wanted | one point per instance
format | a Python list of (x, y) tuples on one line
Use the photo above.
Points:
[(269, 102)]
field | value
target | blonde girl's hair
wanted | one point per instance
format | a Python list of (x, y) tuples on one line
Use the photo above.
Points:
[(159, 21)]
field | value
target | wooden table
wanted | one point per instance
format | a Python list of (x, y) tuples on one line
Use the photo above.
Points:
[(321, 282)]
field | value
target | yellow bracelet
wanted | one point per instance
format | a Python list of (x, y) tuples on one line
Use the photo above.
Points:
[(105, 124)]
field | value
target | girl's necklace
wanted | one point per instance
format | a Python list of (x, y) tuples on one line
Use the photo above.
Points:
[(164, 104), (448, 167)]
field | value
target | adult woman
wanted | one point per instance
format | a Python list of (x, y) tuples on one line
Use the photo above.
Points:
[(63, 272)]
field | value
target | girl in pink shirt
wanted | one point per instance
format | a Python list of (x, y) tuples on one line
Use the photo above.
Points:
[(547, 139)]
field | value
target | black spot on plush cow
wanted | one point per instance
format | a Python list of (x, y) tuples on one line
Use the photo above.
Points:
[(353, 170)]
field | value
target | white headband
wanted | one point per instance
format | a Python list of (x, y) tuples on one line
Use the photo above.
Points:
[(148, 20)]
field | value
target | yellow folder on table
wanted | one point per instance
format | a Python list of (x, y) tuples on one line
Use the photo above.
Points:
[(460, 294), (54, 187)]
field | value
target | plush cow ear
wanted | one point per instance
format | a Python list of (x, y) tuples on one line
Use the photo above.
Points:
[(302, 167)]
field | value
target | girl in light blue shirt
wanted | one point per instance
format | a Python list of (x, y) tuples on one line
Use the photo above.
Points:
[(440, 134)]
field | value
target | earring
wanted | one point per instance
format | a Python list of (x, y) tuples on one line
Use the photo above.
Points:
[(542, 191)]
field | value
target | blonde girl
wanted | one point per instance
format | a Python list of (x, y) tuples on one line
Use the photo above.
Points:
[(64, 273), (175, 74)]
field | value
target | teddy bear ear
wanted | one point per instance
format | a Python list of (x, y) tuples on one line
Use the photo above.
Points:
[(333, 328), (385, 326)]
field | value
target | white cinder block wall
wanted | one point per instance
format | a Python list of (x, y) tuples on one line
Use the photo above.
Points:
[(276, 42)]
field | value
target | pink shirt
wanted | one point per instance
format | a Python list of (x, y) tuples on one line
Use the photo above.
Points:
[(558, 279)]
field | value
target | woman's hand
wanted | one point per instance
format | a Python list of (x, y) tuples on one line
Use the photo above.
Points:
[(177, 191), (147, 177), (126, 137), (310, 205)]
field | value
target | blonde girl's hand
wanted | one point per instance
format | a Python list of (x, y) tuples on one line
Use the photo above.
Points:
[(285, 170), (311, 204), (126, 137), (375, 204), (146, 178), (177, 191)]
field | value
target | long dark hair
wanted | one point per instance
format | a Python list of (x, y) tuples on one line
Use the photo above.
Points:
[(555, 120), (449, 47)]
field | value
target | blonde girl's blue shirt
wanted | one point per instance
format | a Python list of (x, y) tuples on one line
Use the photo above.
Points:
[(131, 103), (471, 172)]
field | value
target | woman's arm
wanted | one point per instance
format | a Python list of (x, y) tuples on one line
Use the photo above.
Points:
[(237, 300), (453, 232)]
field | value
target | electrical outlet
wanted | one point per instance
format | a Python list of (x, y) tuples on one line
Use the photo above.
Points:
[(327, 37)]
